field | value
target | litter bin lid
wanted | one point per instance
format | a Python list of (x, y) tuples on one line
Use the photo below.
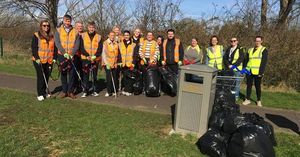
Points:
[(199, 67)]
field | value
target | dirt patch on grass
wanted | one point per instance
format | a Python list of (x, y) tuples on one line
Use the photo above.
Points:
[(7, 116), (164, 131)]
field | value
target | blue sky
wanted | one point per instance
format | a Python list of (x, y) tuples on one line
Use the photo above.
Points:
[(198, 8)]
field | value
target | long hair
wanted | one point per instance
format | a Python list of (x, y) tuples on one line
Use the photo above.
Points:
[(45, 35), (210, 41)]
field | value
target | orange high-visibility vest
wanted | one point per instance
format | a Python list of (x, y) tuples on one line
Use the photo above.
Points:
[(91, 46), (127, 54), (152, 51), (176, 50), (67, 40), (45, 49), (111, 53)]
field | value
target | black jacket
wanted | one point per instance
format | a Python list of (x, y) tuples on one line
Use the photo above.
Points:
[(228, 59), (170, 47), (35, 48), (263, 63)]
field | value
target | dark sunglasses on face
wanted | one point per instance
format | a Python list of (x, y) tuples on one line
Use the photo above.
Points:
[(46, 25)]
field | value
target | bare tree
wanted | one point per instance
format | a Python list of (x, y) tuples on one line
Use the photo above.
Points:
[(286, 7), (263, 15)]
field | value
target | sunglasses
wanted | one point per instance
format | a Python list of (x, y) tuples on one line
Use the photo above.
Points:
[(233, 41), (46, 25)]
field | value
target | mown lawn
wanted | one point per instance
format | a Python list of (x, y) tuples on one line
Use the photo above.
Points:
[(58, 127)]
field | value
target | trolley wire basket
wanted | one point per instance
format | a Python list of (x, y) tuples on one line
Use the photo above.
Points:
[(228, 83)]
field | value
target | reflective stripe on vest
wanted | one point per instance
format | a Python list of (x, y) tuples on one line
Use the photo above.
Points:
[(152, 51), (176, 50), (215, 58), (235, 58), (67, 40), (111, 53), (91, 46), (45, 49), (253, 64), (127, 54)]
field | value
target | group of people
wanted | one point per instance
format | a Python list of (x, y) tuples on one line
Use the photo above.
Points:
[(80, 54)]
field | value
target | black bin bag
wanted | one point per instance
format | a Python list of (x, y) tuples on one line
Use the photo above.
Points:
[(138, 84), (212, 143), (169, 79), (250, 141), (152, 82)]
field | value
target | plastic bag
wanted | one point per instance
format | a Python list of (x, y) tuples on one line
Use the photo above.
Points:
[(267, 127), (250, 141), (152, 82), (233, 122), (170, 80), (212, 143), (138, 84)]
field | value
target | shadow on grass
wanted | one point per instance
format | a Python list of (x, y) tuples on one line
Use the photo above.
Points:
[(283, 122)]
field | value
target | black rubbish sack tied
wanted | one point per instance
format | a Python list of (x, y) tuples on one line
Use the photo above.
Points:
[(212, 143), (267, 127), (138, 84), (170, 80), (152, 82), (250, 141)]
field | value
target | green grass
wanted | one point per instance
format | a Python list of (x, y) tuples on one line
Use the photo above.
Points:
[(59, 127), (277, 99), (17, 65)]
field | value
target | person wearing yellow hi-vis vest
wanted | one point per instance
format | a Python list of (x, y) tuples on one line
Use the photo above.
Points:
[(214, 54), (256, 60), (67, 42), (91, 49), (110, 61), (193, 53), (234, 57), (128, 62), (43, 56), (173, 52)]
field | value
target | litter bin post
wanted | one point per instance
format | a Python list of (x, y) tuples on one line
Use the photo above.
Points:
[(196, 93), (1, 46)]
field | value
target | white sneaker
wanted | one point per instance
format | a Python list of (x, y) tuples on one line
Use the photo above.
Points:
[(124, 93), (128, 94), (107, 95), (246, 102), (48, 96), (114, 94), (40, 98), (84, 95), (258, 103), (95, 94)]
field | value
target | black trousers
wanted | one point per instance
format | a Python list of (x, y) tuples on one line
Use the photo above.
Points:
[(127, 82), (41, 85), (89, 69), (67, 75), (78, 63), (111, 76), (257, 84)]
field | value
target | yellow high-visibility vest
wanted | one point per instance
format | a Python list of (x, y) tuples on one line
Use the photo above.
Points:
[(215, 58), (254, 62), (235, 58)]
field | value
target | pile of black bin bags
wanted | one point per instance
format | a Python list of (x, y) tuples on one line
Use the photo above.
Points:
[(151, 80), (233, 134)]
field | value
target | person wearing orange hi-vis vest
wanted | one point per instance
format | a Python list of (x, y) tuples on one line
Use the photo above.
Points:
[(43, 55), (127, 48), (110, 61), (149, 51), (173, 52), (91, 49), (256, 60), (214, 54), (67, 42)]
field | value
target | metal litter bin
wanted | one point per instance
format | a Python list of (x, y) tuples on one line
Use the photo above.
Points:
[(196, 93)]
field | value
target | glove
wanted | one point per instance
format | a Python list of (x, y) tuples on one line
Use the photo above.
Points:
[(180, 63), (38, 61), (163, 62), (145, 61), (120, 64), (260, 75), (66, 55), (107, 67), (54, 61), (93, 58)]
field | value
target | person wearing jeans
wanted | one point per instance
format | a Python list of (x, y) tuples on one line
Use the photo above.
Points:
[(233, 60)]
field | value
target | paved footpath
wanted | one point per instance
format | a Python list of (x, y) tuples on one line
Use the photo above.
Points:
[(282, 120)]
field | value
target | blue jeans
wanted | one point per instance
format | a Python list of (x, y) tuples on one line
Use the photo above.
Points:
[(237, 85)]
